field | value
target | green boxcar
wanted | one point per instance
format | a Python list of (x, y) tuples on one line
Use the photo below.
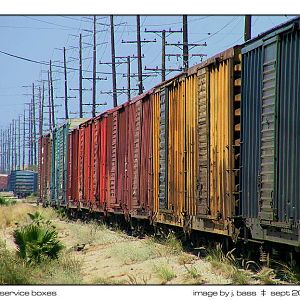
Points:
[(59, 161)]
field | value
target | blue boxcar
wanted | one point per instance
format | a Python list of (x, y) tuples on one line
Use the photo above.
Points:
[(23, 182)]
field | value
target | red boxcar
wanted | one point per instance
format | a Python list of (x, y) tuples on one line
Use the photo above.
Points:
[(91, 163), (111, 159), (144, 202), (3, 182), (99, 161), (129, 154), (141, 131), (84, 163)]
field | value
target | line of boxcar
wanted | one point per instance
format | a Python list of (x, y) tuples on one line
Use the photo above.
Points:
[(215, 149)]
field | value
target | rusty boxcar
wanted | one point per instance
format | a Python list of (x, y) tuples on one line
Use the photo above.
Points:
[(196, 145), (91, 163)]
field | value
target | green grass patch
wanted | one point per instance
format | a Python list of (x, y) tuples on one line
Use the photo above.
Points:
[(227, 265), (130, 253), (7, 201), (164, 272), (15, 270)]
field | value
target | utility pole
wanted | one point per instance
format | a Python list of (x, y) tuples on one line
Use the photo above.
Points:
[(139, 54), (19, 142), (124, 60), (2, 145), (42, 103), (163, 51), (94, 71), (139, 57), (34, 127), (113, 60), (163, 56), (128, 79), (15, 142), (13, 138), (49, 102), (185, 42), (52, 96), (24, 143), (12, 144), (8, 149), (29, 138), (80, 76), (66, 86), (247, 32)]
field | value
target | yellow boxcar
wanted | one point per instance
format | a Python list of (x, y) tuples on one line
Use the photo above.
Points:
[(196, 146)]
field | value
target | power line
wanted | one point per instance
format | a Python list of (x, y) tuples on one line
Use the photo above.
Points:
[(28, 27), (222, 28), (46, 63), (51, 23)]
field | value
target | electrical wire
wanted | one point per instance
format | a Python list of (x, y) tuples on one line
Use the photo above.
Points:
[(216, 32), (28, 27), (51, 23)]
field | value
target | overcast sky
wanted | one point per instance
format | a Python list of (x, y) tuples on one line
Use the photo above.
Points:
[(42, 38)]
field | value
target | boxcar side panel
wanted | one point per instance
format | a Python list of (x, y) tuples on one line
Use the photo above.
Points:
[(221, 141)]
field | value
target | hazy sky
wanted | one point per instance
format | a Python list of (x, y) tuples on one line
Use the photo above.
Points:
[(42, 38)]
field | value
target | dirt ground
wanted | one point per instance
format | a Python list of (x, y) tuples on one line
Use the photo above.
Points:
[(112, 257)]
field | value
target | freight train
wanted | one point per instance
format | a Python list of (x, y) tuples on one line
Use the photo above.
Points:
[(213, 151)]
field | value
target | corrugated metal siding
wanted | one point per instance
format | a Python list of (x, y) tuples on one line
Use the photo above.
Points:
[(94, 149), (102, 149), (96, 159), (155, 149), (221, 141), (72, 189), (132, 163), (203, 143), (122, 156), (86, 163), (175, 148), (271, 97), (112, 149), (191, 167), (163, 149), (81, 164), (146, 158), (288, 192), (267, 138), (250, 131), (69, 168), (135, 126)]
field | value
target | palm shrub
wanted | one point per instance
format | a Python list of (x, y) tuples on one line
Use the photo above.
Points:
[(36, 242)]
